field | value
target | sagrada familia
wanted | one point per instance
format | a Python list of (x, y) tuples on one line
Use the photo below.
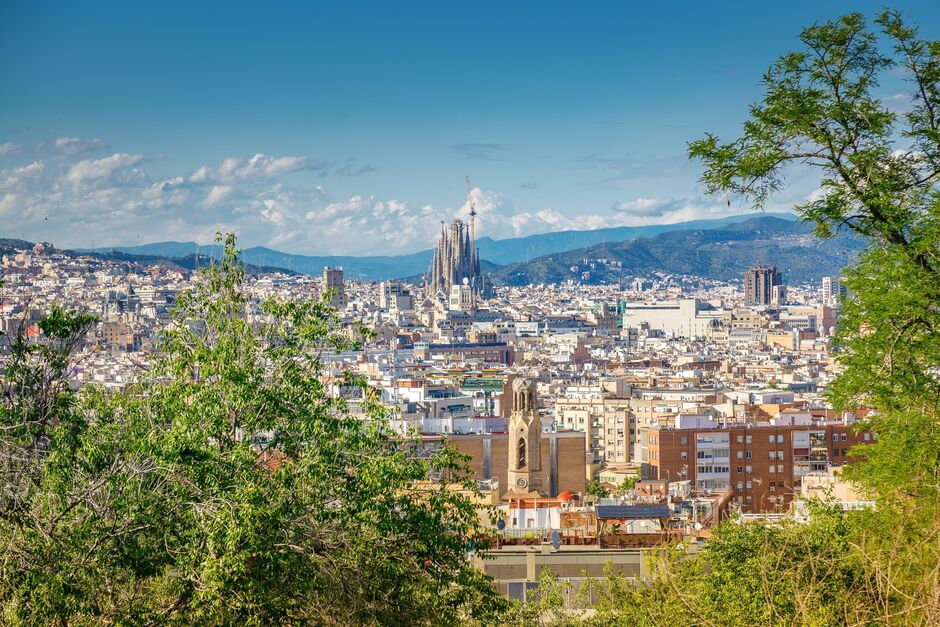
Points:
[(456, 259)]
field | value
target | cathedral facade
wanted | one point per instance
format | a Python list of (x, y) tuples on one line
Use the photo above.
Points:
[(456, 260)]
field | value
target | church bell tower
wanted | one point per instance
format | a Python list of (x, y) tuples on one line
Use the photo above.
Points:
[(525, 439)]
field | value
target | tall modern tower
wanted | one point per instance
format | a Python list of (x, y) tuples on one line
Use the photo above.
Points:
[(333, 280), (761, 285), (832, 290)]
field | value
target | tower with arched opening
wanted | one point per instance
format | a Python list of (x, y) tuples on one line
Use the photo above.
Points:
[(524, 433)]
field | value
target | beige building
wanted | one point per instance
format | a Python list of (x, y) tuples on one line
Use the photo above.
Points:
[(605, 420), (517, 569), (525, 461)]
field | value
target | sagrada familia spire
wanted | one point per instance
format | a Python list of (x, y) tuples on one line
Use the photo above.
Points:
[(456, 259)]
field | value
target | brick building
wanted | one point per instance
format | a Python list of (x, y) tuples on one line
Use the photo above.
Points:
[(762, 463)]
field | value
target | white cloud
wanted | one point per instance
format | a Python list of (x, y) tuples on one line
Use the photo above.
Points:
[(8, 148), (115, 201), (217, 194), (17, 177), (260, 166), (71, 146), (8, 204), (655, 206), (101, 168)]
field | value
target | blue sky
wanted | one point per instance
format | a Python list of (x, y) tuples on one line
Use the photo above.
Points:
[(349, 127)]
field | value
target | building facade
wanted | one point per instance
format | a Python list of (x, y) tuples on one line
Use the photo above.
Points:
[(762, 464), (456, 260), (761, 286), (333, 280)]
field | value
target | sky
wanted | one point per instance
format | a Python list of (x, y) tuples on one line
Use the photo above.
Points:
[(349, 127)]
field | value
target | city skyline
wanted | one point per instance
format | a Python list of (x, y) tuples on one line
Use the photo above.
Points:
[(121, 125)]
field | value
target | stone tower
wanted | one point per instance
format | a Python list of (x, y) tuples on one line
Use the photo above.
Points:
[(525, 440)]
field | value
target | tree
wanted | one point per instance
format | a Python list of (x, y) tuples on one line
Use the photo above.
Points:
[(596, 488), (879, 179), (629, 482), (232, 485), (879, 173)]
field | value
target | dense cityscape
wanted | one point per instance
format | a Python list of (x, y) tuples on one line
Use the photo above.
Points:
[(711, 394), (423, 313)]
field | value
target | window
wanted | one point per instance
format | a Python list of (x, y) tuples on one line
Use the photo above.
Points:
[(773, 468), (780, 439), (771, 439), (684, 440), (780, 455), (844, 437), (747, 454), (683, 456), (740, 439), (867, 437), (772, 454), (740, 485), (835, 437), (747, 439), (772, 487), (748, 484), (780, 484), (740, 454), (780, 468), (748, 469)]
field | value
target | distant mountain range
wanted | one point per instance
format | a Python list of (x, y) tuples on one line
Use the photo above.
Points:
[(190, 261), (718, 249), (721, 253), (379, 268)]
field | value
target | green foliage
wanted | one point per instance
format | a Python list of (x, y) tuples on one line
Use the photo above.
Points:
[(833, 570), (747, 574), (629, 483), (595, 488), (880, 171), (230, 485), (879, 175)]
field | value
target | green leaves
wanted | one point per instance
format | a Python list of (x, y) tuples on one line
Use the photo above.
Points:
[(231, 484), (880, 175)]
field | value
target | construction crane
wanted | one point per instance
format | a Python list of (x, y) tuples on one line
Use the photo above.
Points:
[(473, 214), (473, 240)]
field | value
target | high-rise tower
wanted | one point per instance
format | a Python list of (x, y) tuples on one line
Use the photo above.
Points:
[(832, 290), (333, 280), (761, 285)]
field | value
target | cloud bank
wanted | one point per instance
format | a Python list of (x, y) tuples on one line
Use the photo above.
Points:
[(72, 192)]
